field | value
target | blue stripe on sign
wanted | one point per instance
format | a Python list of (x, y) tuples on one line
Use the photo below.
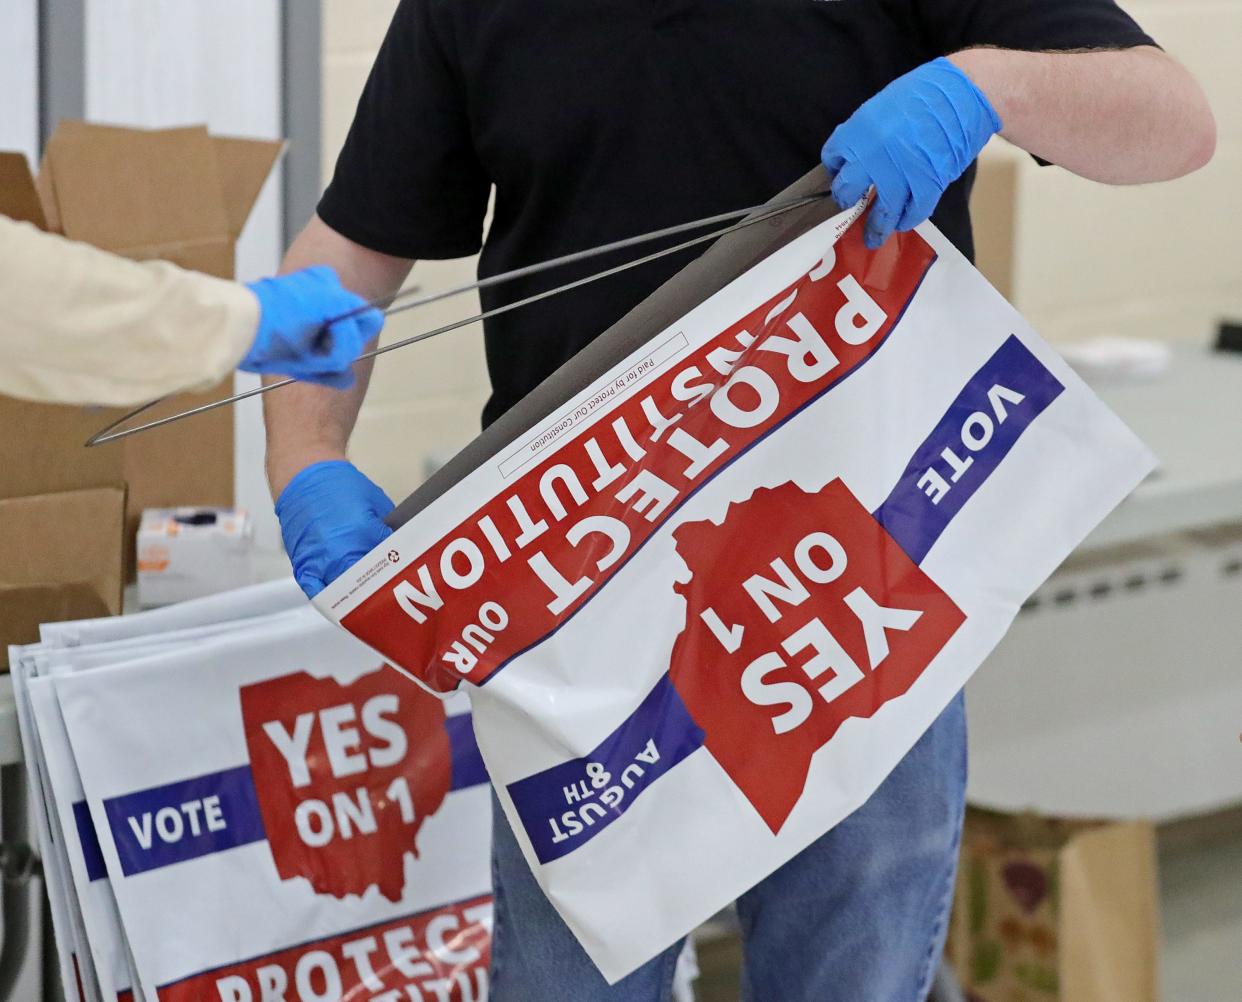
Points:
[(181, 821), (564, 807), (977, 432), (468, 767), (92, 853)]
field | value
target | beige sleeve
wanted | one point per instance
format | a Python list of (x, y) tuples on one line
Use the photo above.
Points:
[(79, 325)]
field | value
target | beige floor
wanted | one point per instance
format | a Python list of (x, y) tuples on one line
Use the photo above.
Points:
[(1201, 905)]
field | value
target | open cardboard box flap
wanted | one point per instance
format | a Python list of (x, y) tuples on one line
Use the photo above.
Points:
[(18, 197), (138, 192), (157, 193), (244, 166), (180, 195), (135, 191)]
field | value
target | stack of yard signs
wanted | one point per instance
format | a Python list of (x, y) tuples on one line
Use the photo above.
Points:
[(240, 802)]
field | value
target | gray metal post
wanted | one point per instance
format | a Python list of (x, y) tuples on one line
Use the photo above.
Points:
[(62, 63), (300, 89)]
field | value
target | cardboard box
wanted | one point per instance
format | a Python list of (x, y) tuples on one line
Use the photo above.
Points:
[(1052, 910), (188, 553), (60, 558), (180, 195), (993, 212)]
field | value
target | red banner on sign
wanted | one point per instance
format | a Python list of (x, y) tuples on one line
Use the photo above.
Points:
[(441, 954), (523, 563)]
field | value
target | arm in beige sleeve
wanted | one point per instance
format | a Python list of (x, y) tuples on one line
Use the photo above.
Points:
[(79, 325)]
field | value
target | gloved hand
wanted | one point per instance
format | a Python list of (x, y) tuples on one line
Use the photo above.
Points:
[(296, 335), (331, 516), (912, 140)]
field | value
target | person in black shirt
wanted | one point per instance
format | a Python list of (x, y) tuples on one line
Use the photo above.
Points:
[(593, 120)]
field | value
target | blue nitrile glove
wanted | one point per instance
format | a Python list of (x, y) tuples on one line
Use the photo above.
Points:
[(912, 140), (296, 335), (331, 516)]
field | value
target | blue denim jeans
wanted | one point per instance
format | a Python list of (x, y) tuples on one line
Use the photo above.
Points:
[(859, 916)]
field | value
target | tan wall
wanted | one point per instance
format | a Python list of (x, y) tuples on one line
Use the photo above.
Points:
[(1082, 258), (425, 400), (1160, 261)]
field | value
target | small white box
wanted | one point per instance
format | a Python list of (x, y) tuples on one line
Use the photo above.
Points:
[(186, 553)]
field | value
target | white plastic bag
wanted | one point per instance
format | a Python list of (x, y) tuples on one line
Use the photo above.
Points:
[(707, 605), (225, 609)]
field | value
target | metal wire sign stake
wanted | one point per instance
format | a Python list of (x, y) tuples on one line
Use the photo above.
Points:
[(754, 214)]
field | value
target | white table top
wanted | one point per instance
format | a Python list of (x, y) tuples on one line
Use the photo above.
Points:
[(1191, 417), (1079, 715)]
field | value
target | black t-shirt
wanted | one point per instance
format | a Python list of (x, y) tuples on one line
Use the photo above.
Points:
[(599, 119)]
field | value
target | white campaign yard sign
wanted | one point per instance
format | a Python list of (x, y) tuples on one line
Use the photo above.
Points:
[(703, 610)]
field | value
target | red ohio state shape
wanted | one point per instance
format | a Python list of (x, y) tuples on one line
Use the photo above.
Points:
[(818, 640), (363, 766)]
